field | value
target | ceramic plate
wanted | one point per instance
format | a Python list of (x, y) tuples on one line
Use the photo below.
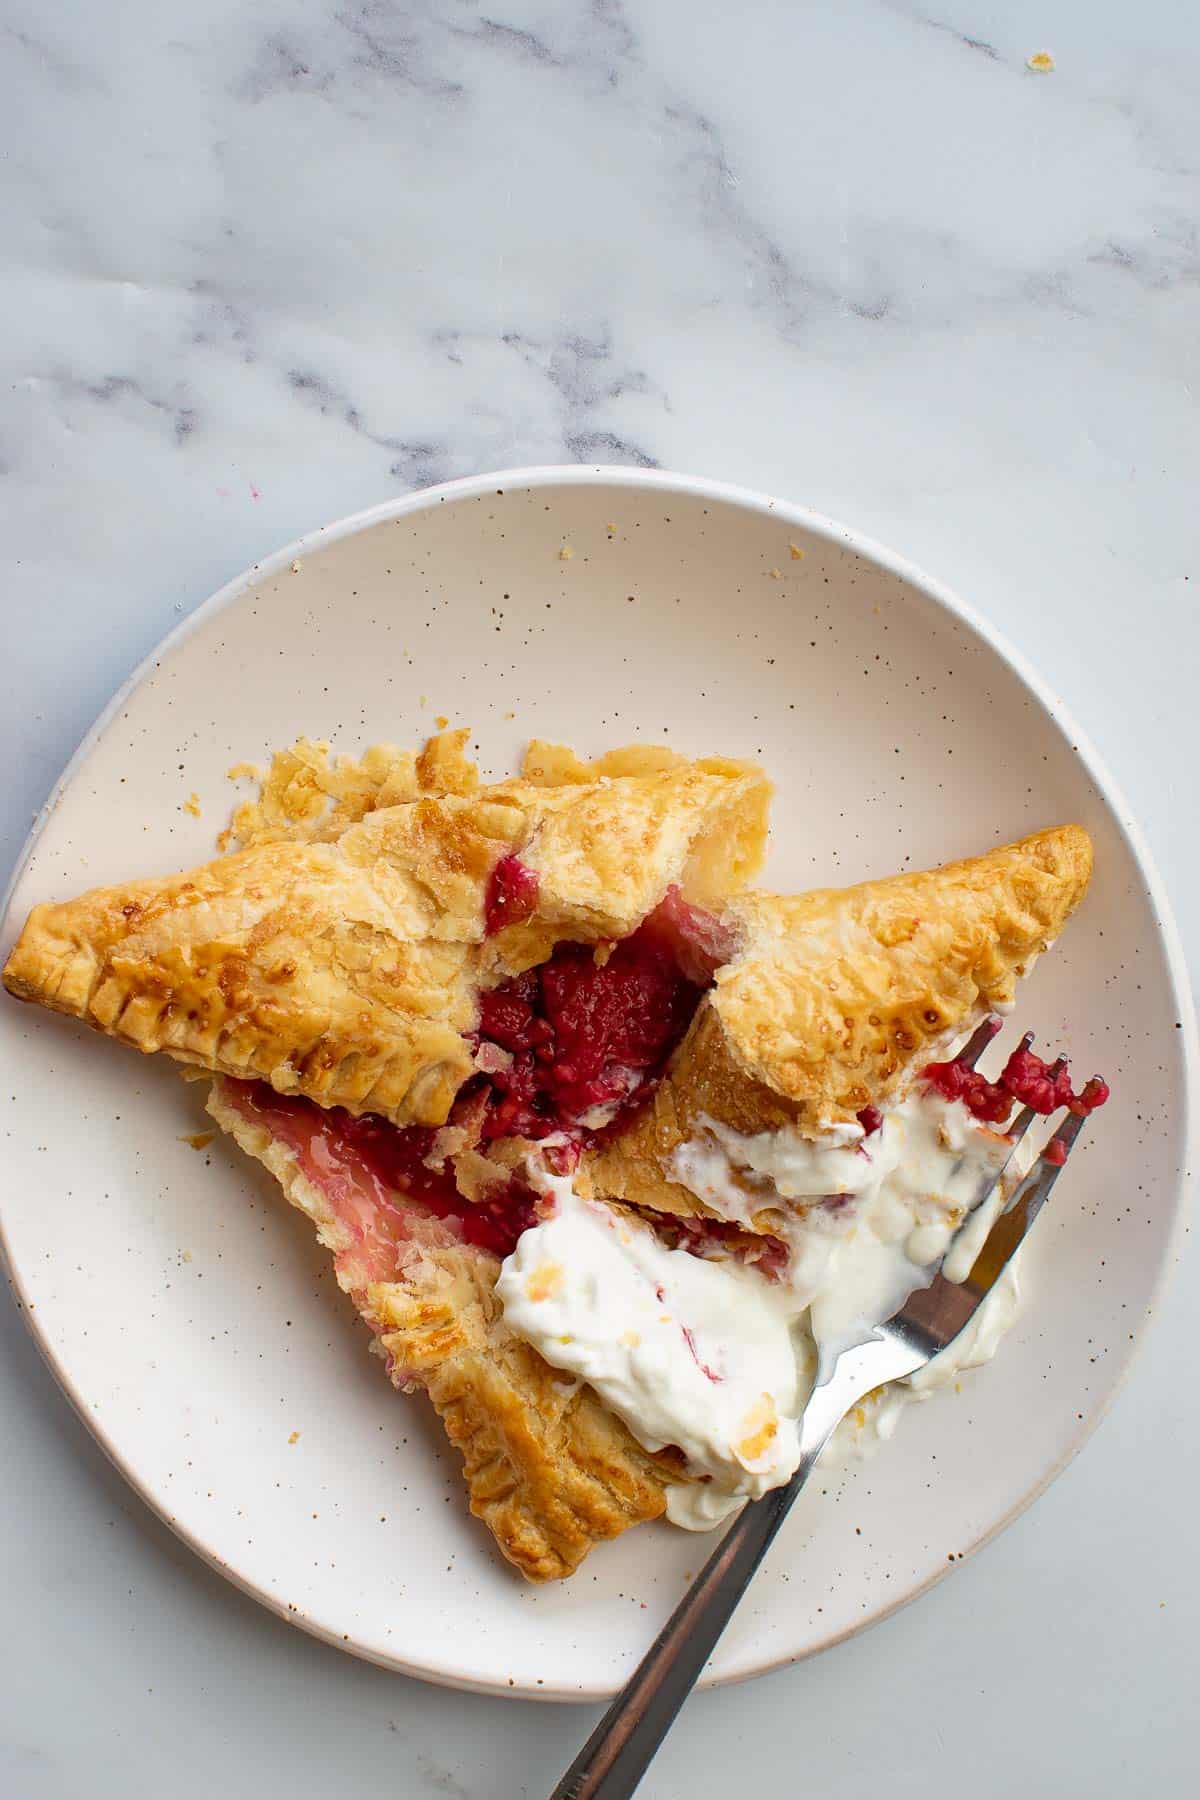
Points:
[(185, 1309)]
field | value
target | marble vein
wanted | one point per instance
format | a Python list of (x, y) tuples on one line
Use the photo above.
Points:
[(267, 266)]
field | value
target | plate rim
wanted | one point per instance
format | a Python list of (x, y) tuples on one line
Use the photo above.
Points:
[(845, 537)]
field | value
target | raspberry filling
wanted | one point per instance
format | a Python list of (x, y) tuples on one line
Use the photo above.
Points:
[(1025, 1078), (559, 1050), (721, 1237), (511, 896), (699, 941), (362, 1165), (870, 1118), (580, 1035), (373, 1175)]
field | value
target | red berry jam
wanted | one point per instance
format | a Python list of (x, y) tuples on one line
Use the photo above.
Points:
[(336, 1148), (870, 1118), (511, 896), (987, 1100), (720, 1237), (581, 1033), (699, 940), (1024, 1078), (1095, 1092)]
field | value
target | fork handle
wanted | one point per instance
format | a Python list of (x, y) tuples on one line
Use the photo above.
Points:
[(619, 1751)]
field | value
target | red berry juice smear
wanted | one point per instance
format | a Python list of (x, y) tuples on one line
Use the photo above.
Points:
[(360, 1163)]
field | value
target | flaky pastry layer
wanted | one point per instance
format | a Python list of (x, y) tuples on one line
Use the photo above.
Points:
[(341, 953), (549, 1470), (836, 996)]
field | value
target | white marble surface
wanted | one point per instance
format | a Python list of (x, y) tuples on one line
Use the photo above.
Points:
[(263, 265)]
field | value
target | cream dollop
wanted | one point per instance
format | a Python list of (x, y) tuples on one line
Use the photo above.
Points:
[(713, 1357), (690, 1352), (865, 1221)]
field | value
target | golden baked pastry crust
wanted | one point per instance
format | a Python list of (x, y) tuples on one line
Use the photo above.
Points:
[(835, 997), (549, 1470), (341, 953)]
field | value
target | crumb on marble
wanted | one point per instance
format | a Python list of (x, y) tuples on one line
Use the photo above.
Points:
[(566, 553), (199, 1140), (185, 1256), (795, 552), (1041, 62), (192, 804), (441, 721), (775, 574)]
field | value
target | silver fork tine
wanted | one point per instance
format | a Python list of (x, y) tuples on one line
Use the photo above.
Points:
[(980, 1038), (1031, 1195), (1024, 1120), (1004, 1239), (1026, 1116)]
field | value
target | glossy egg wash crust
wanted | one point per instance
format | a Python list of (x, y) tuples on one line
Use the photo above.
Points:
[(495, 1038)]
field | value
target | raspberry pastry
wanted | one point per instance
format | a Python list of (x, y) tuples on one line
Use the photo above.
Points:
[(608, 1152), (345, 959)]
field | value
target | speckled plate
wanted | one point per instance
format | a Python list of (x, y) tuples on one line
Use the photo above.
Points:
[(185, 1309)]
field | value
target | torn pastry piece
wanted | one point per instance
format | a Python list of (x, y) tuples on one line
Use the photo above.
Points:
[(550, 1470), (830, 1005), (343, 953)]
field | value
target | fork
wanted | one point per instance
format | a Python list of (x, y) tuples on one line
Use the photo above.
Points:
[(619, 1751)]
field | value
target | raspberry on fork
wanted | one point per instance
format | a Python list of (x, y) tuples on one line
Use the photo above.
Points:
[(1041, 1086)]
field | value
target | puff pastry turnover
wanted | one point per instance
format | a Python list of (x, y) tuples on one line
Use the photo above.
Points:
[(341, 953), (394, 944), (837, 996)]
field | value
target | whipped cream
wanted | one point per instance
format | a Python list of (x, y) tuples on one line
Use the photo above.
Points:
[(866, 1219), (691, 1352), (712, 1356)]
